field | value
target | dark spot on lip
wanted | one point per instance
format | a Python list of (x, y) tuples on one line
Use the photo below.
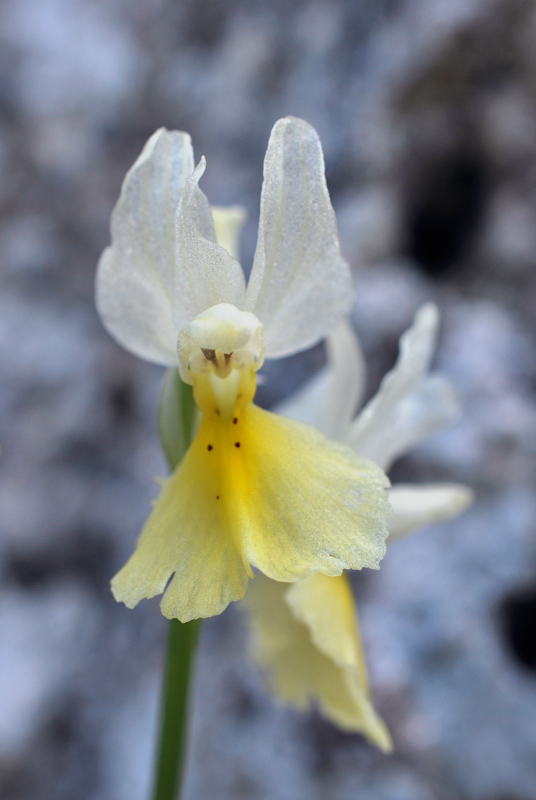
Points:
[(217, 497), (235, 420), (209, 448), (237, 444), (218, 412)]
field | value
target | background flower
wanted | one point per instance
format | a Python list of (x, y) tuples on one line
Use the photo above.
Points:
[(307, 636)]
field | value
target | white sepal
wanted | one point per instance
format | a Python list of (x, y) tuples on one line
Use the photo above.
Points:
[(414, 507), (330, 399), (432, 405), (135, 311), (300, 285), (135, 278), (409, 404), (206, 274)]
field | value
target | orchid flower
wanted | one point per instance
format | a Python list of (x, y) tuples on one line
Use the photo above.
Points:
[(306, 636), (254, 489)]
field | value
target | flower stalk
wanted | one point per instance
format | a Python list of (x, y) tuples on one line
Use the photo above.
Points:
[(171, 752), (176, 422)]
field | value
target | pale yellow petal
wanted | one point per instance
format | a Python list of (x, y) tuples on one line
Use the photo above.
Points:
[(305, 504), (326, 605), (228, 224), (187, 535), (299, 673), (255, 489)]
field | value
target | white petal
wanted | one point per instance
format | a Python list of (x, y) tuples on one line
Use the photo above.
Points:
[(432, 405), (329, 400), (134, 310), (135, 275), (300, 286), (228, 223), (414, 507), (409, 405), (206, 274)]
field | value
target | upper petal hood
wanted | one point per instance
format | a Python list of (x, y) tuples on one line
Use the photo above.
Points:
[(206, 273)]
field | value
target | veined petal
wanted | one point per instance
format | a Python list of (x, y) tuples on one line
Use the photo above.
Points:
[(414, 507), (302, 674), (206, 273), (408, 405), (329, 400), (228, 223), (264, 491), (136, 274), (300, 285)]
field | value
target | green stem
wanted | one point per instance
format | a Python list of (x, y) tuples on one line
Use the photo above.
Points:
[(180, 649), (177, 417)]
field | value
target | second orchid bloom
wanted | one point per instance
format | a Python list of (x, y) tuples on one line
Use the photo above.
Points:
[(306, 636), (255, 489)]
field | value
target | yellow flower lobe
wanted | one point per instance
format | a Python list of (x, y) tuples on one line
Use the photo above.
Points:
[(253, 489)]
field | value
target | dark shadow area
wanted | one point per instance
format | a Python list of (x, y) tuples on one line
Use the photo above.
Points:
[(518, 617), (444, 216), (86, 555)]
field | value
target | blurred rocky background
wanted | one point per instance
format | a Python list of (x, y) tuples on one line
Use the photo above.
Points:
[(427, 113)]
